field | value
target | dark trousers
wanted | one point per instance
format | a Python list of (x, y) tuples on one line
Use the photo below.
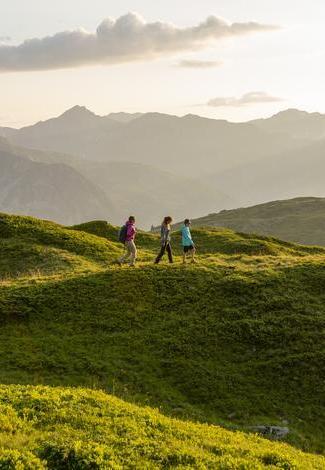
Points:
[(168, 248)]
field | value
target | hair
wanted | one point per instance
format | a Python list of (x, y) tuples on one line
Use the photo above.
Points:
[(131, 218), (186, 221), (167, 220)]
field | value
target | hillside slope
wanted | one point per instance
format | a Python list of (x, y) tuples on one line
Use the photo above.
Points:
[(150, 193), (237, 339), (297, 173), (300, 220), (70, 190), (52, 428), (48, 190)]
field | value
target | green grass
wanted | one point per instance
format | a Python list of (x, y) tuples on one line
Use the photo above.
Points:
[(30, 230), (64, 428), (236, 340)]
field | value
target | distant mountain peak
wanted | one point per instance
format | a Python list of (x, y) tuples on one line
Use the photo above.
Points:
[(293, 113), (77, 111)]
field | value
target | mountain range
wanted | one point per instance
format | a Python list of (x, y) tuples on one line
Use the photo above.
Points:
[(152, 164), (187, 145), (48, 189)]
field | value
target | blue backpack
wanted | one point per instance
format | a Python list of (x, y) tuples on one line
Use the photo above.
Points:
[(122, 234)]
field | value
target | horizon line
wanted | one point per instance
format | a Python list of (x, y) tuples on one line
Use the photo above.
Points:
[(182, 116)]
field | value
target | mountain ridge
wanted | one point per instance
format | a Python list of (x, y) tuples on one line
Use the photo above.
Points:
[(287, 114), (120, 188), (219, 165), (155, 138), (48, 190), (300, 220)]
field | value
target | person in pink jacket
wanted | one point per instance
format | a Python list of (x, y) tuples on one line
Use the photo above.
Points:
[(130, 247)]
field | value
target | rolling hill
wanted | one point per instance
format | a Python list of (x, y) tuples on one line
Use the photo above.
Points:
[(300, 220), (235, 340), (52, 428)]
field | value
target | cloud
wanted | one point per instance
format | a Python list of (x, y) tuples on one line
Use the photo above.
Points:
[(128, 38), (254, 97), (4, 39), (199, 64)]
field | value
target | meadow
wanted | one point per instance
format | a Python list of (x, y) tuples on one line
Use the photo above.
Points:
[(236, 340)]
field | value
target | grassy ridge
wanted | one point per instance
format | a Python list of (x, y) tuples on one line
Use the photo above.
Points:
[(31, 230), (299, 220), (237, 339), (42, 427)]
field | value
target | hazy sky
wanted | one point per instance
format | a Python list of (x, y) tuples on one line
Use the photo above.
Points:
[(237, 69)]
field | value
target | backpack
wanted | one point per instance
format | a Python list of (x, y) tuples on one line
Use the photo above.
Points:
[(122, 234)]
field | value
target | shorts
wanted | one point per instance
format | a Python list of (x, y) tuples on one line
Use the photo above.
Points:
[(188, 248)]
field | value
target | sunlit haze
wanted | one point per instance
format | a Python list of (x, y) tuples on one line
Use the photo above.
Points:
[(235, 74)]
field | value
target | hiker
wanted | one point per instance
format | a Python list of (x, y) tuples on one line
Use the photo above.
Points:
[(165, 240), (187, 241), (127, 236)]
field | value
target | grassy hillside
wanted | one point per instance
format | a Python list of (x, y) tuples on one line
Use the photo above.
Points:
[(300, 220), (42, 427), (237, 339)]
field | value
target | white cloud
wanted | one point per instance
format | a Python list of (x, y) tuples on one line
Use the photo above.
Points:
[(199, 64), (254, 97), (128, 38)]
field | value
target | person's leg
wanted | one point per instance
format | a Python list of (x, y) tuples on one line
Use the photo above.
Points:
[(161, 253), (125, 254), (170, 254), (128, 253), (184, 255), (193, 255), (133, 253)]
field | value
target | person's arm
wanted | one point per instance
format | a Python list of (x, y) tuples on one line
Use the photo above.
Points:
[(187, 234), (164, 234)]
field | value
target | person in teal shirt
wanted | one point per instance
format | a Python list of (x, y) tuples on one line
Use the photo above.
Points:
[(187, 241)]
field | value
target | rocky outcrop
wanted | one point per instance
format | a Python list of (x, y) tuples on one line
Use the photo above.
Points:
[(272, 432)]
